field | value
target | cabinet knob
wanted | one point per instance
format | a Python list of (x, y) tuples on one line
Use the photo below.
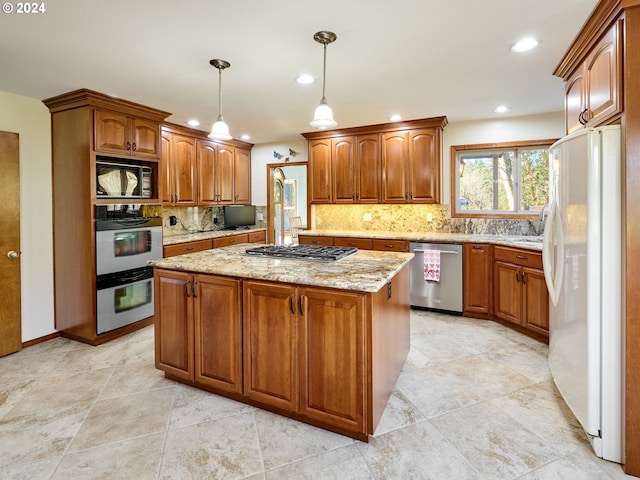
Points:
[(128, 146), (135, 147), (13, 254)]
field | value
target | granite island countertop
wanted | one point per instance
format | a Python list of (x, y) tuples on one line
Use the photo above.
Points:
[(205, 235), (366, 271), (519, 241)]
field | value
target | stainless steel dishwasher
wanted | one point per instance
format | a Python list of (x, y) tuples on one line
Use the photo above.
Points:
[(445, 295)]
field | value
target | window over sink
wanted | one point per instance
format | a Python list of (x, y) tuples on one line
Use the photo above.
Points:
[(504, 180)]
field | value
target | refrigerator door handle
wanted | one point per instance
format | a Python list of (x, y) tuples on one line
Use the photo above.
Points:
[(553, 253)]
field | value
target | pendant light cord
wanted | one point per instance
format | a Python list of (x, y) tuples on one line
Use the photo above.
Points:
[(219, 93), (324, 70)]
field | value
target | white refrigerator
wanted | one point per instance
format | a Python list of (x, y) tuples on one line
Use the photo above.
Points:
[(582, 263)]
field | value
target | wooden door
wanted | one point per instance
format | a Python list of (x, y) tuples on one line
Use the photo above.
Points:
[(242, 177), (395, 156), (320, 171), (174, 337), (145, 138), (603, 79), (111, 132), (507, 292), (478, 275), (183, 158), (224, 174), (206, 153), (342, 170), (332, 346), (535, 301), (166, 175), (367, 169), (424, 166), (218, 332), (10, 293), (270, 344), (574, 100)]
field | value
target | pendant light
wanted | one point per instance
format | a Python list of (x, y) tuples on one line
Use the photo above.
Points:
[(220, 130), (323, 116)]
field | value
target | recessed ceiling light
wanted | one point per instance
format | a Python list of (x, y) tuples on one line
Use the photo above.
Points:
[(501, 109), (524, 45), (245, 137), (395, 118), (305, 79), (193, 123)]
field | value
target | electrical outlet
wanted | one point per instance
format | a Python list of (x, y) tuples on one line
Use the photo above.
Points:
[(429, 217), (367, 217), (259, 216)]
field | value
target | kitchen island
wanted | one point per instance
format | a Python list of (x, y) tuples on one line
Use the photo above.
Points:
[(320, 342)]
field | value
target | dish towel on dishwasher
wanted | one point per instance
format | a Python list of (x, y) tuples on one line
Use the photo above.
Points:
[(432, 265)]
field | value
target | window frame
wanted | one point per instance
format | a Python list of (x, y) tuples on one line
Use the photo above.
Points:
[(490, 147)]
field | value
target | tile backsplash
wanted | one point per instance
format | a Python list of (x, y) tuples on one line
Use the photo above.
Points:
[(414, 218)]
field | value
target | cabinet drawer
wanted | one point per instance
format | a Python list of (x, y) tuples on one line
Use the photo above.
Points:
[(361, 243), (525, 258), (390, 245), (257, 237), (315, 240), (230, 240), (188, 247)]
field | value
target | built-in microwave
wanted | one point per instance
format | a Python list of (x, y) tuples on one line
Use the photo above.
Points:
[(117, 180)]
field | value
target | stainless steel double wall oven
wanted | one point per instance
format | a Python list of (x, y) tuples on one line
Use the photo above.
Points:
[(126, 239)]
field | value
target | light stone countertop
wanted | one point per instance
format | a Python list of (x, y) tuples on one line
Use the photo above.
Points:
[(519, 241), (192, 237), (366, 271)]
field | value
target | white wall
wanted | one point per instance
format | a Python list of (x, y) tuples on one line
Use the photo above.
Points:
[(30, 118), (508, 129), (262, 154)]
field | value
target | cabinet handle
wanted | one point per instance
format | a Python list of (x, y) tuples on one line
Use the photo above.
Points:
[(300, 305), (128, 146), (292, 299), (189, 249), (475, 247), (518, 276), (582, 117), (524, 277), (186, 289), (521, 257), (317, 242), (194, 286), (328, 195), (388, 246), (135, 147)]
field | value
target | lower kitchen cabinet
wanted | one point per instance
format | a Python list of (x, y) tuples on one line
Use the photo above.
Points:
[(380, 244), (186, 247), (520, 292), (198, 332), (478, 279)]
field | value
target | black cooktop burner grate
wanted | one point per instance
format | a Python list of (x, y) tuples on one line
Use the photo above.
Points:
[(318, 253)]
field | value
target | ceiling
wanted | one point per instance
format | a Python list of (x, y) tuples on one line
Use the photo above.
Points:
[(418, 58)]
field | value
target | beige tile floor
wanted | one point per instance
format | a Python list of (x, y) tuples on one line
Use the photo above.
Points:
[(475, 401)]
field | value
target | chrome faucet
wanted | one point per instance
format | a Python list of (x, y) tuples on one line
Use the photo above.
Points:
[(541, 216)]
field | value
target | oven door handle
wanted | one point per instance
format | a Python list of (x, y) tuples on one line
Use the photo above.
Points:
[(110, 280)]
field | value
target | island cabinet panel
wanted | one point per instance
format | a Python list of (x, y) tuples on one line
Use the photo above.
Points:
[(270, 344), (478, 279), (332, 351), (218, 332), (174, 340)]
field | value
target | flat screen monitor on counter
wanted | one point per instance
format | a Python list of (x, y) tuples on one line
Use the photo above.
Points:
[(239, 216)]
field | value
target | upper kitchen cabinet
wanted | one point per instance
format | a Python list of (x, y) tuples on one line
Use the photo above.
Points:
[(593, 85), (127, 135), (242, 176), (178, 182), (388, 163)]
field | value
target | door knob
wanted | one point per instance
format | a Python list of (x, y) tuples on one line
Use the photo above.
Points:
[(13, 254)]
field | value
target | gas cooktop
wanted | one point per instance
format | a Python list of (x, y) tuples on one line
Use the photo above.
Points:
[(318, 253)]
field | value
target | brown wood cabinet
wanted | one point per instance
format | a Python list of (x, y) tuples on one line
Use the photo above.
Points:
[(593, 93), (478, 280), (198, 333), (187, 247), (315, 240), (388, 163), (227, 240), (361, 243), (386, 245), (178, 184), (324, 356), (209, 243), (380, 244), (258, 237), (242, 176), (520, 293), (87, 126), (123, 134)]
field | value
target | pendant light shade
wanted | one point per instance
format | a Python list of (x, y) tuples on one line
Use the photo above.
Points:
[(220, 130), (323, 115)]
